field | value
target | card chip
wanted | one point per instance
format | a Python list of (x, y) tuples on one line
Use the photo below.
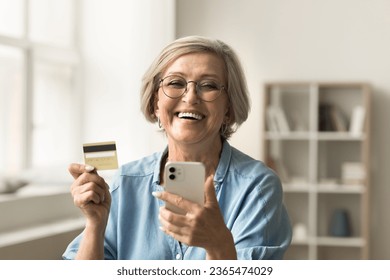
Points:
[(101, 155)]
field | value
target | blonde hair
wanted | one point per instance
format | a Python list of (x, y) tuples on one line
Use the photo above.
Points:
[(236, 88)]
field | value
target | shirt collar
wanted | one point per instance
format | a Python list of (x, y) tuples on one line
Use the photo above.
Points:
[(160, 157), (224, 162)]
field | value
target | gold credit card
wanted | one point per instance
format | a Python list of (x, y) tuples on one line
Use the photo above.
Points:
[(101, 155)]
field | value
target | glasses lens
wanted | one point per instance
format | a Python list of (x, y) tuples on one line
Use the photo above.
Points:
[(208, 90), (174, 86)]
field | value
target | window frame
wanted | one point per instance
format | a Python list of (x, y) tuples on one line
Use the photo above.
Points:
[(32, 52)]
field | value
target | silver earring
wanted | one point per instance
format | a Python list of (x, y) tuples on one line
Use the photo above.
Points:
[(159, 123)]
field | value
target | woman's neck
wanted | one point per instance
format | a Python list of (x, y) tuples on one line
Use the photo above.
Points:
[(207, 153)]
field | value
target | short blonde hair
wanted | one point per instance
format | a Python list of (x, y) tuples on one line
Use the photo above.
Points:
[(236, 88)]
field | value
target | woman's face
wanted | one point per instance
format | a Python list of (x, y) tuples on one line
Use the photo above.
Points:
[(204, 120)]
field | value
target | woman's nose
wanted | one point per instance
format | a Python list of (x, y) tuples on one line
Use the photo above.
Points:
[(191, 96)]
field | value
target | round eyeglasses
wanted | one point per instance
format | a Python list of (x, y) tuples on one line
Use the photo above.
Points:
[(175, 86)]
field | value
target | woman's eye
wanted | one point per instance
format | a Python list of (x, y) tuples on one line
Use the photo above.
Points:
[(209, 86), (176, 84)]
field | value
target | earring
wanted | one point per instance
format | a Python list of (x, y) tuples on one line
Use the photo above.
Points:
[(159, 123)]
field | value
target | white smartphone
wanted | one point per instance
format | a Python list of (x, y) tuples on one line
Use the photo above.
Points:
[(185, 179)]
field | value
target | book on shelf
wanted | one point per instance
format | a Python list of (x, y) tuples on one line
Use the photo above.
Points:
[(324, 123), (276, 119), (331, 118), (357, 121), (339, 121)]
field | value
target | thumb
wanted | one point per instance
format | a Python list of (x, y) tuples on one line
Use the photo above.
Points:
[(209, 191), (76, 169)]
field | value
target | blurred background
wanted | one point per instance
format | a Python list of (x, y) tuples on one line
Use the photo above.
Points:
[(70, 73)]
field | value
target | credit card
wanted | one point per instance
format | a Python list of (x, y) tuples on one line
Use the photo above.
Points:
[(101, 155)]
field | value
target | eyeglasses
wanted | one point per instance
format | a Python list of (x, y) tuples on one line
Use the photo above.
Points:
[(175, 86)]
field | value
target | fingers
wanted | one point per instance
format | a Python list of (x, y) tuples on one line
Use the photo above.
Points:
[(76, 169), (92, 177), (200, 226), (168, 217), (88, 185), (176, 200), (88, 192), (187, 205), (176, 225)]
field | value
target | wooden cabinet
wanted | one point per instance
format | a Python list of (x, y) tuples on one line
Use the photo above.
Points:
[(317, 139)]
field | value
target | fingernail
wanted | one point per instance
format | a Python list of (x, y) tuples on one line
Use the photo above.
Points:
[(89, 168), (156, 194)]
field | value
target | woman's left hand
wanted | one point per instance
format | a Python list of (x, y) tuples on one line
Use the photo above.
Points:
[(200, 226)]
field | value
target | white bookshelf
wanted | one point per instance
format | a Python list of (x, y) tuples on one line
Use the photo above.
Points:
[(312, 156)]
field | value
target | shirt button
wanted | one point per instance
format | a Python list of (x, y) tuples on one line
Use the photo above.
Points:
[(178, 256)]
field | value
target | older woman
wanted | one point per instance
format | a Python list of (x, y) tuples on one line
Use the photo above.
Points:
[(196, 91)]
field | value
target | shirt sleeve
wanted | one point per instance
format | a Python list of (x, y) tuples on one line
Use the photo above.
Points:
[(72, 249), (262, 228)]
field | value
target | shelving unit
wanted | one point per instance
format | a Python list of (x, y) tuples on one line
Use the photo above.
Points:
[(322, 157)]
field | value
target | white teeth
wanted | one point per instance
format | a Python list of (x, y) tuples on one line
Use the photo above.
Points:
[(190, 115)]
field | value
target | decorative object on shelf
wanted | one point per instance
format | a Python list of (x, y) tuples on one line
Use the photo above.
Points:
[(300, 232), (340, 224), (353, 173)]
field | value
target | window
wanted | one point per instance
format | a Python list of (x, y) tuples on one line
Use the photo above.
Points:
[(39, 83)]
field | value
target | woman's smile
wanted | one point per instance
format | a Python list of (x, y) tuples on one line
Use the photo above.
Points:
[(190, 116)]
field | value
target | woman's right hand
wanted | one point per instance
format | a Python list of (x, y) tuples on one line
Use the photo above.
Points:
[(91, 194)]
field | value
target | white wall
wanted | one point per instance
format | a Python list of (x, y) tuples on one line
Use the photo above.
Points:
[(120, 38), (334, 40)]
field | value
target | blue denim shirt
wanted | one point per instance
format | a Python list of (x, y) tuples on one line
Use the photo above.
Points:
[(249, 195)]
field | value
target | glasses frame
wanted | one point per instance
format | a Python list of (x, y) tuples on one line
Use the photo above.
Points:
[(197, 90)]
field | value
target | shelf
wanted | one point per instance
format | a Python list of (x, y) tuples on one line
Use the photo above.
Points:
[(331, 241), (324, 188), (320, 136), (339, 136), (336, 188), (295, 135), (341, 241), (316, 139)]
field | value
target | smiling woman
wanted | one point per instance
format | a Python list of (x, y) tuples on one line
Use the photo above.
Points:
[(231, 71), (190, 118), (196, 92)]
